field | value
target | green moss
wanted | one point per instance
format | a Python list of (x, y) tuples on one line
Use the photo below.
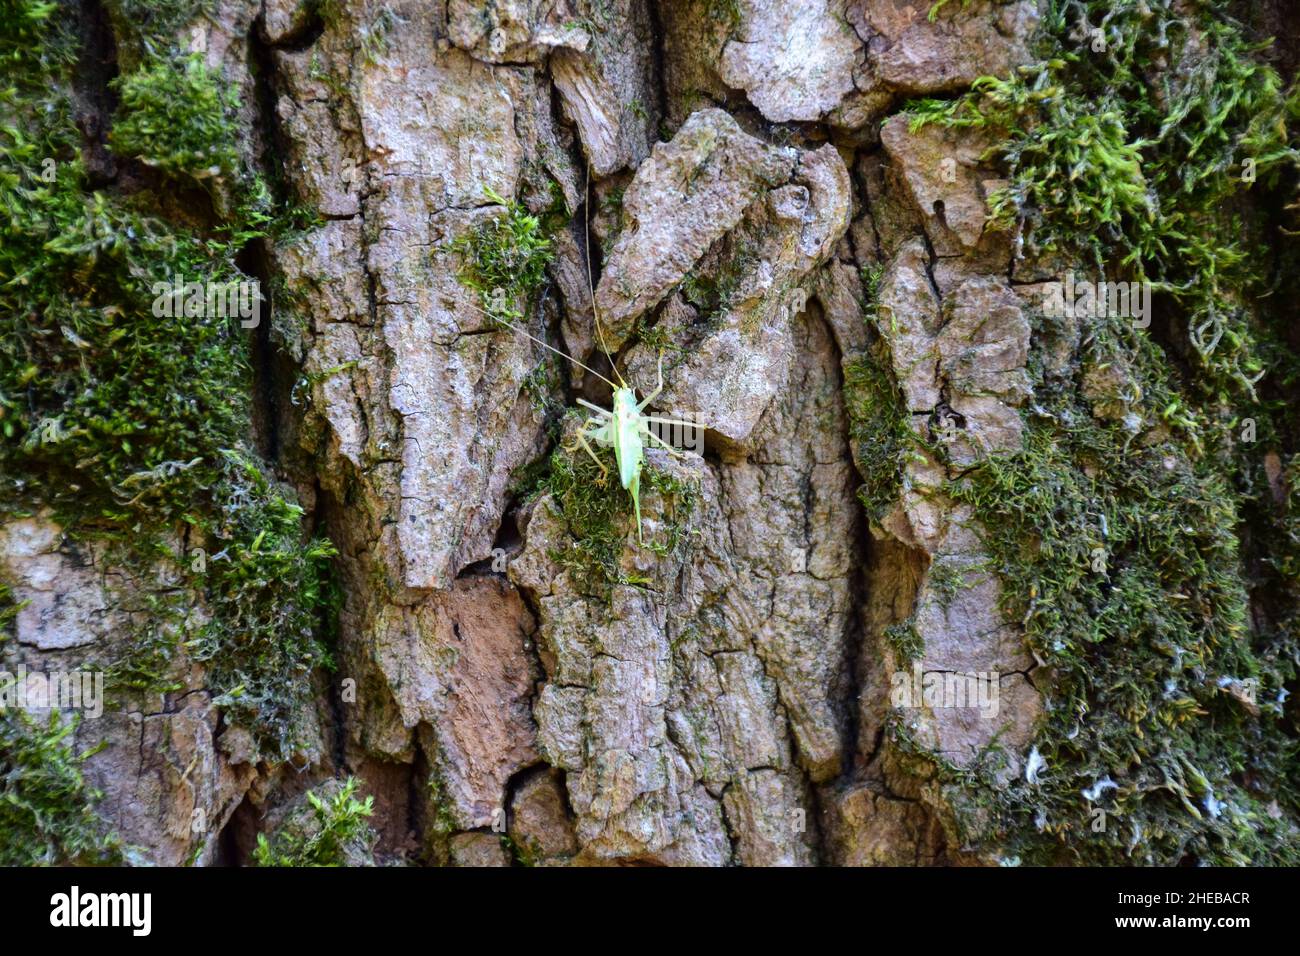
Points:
[(149, 663), (946, 579), (146, 27), (525, 853), (906, 640), (714, 293), (115, 407), (9, 608), (725, 12), (880, 429), (270, 590), (880, 426), (1149, 652), (1140, 175), (118, 409), (933, 15), (442, 821), (265, 592), (330, 12), (176, 117), (541, 385), (611, 205), (599, 517), (46, 815), (1138, 536), (127, 422), (374, 36), (682, 497), (334, 832), (595, 511), (505, 258), (656, 337), (871, 274)]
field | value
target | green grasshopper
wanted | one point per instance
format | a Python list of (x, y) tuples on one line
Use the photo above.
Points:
[(625, 427)]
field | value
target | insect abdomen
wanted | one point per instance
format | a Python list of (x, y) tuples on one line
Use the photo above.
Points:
[(627, 436)]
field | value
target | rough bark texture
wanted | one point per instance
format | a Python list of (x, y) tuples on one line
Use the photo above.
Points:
[(719, 688)]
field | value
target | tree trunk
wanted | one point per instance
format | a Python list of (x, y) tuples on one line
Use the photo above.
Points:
[(984, 549)]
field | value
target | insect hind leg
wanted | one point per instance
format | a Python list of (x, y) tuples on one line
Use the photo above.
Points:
[(695, 427), (665, 446)]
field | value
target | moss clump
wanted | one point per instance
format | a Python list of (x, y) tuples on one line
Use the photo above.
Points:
[(1127, 144), (116, 408), (725, 12), (129, 422), (151, 26), (505, 258), (599, 516), (271, 595), (524, 853), (880, 426), (265, 593), (595, 510), (935, 8), (331, 831), (1139, 654), (905, 639), (45, 804), (1166, 736), (946, 579), (657, 337), (880, 430), (1138, 535), (176, 117), (713, 290), (9, 608)]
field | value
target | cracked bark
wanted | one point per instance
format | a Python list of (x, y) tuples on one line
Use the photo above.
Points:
[(730, 709)]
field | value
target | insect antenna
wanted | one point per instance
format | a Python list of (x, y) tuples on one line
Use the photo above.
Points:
[(545, 345), (591, 292)]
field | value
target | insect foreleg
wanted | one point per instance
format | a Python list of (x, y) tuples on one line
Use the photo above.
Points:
[(603, 412), (581, 436), (658, 388)]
